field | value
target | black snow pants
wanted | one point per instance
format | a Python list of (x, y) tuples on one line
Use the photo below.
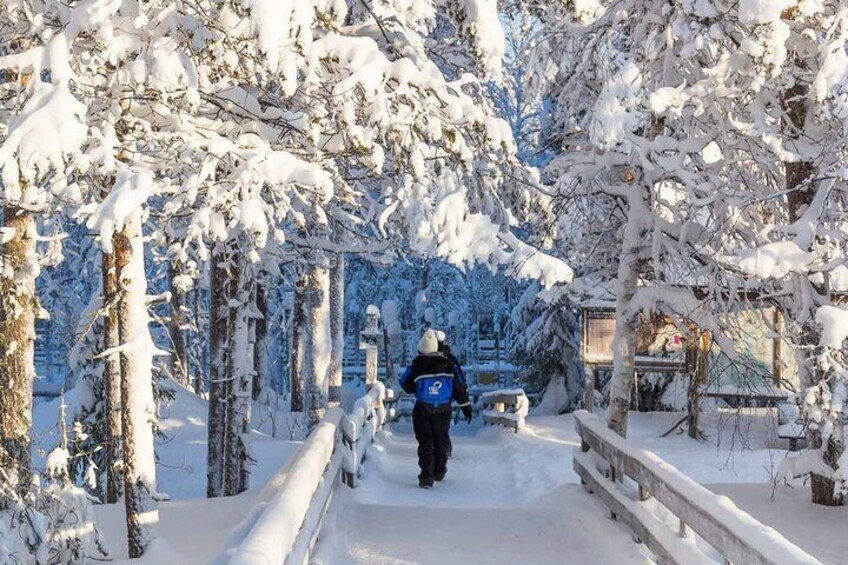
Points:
[(432, 430)]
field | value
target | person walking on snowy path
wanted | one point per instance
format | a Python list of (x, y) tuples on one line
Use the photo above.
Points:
[(435, 381)]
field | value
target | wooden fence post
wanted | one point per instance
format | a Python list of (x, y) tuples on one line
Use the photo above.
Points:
[(349, 444), (683, 531)]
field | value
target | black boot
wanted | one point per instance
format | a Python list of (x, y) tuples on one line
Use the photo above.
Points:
[(425, 482), (440, 476)]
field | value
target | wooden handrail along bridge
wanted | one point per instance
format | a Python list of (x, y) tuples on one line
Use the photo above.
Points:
[(627, 479)]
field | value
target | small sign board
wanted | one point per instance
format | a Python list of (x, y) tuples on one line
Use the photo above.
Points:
[(657, 339), (598, 334), (370, 340)]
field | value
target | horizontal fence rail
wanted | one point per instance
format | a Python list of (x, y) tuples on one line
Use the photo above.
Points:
[(284, 524), (506, 408), (734, 534)]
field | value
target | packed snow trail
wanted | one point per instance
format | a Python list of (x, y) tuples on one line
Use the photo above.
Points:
[(507, 499)]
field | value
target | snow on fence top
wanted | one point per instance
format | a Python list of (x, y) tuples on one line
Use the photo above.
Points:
[(282, 528), (734, 533), (273, 536), (362, 410)]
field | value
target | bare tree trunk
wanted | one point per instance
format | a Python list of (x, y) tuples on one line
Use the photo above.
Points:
[(260, 362), (220, 282), (137, 414), (112, 380), (698, 379), (179, 358), (337, 275), (624, 339), (391, 373), (778, 365), (318, 342), (298, 345), (198, 342), (18, 305)]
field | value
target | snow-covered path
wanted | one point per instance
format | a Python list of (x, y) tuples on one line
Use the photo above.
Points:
[(507, 499)]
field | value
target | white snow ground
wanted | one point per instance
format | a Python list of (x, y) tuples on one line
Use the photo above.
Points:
[(507, 499)]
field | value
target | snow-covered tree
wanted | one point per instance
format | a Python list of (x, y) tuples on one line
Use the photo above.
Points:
[(547, 346), (712, 131)]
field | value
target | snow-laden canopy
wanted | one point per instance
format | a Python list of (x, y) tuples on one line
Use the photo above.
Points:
[(272, 122)]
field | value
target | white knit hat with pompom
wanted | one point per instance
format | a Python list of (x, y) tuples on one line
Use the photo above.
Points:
[(428, 343)]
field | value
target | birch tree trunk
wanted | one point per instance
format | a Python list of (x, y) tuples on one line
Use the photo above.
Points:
[(112, 379), (318, 341), (337, 275), (219, 331), (18, 305), (626, 323), (297, 350), (179, 358), (138, 408), (630, 266), (239, 458)]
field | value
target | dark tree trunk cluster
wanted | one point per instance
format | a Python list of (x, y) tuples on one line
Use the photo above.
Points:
[(237, 307)]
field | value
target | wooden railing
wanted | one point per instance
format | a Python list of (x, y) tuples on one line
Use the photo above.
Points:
[(506, 408), (606, 460), (284, 524)]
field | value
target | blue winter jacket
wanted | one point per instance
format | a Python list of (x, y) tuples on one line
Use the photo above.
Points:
[(435, 379)]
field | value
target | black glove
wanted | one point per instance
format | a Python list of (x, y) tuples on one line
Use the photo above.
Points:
[(467, 413)]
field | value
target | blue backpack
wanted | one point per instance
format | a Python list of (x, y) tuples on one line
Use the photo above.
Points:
[(436, 389)]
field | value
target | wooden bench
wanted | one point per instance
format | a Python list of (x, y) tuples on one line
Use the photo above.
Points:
[(506, 408)]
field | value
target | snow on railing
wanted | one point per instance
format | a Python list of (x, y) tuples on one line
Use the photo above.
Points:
[(360, 428), (390, 403), (283, 526), (734, 534), (506, 408)]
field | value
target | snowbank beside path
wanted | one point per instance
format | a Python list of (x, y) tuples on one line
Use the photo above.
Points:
[(192, 528), (181, 452)]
